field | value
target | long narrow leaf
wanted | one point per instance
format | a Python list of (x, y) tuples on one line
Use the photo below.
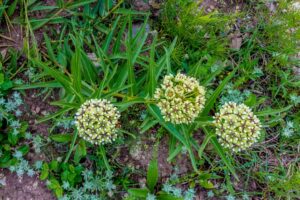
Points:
[(211, 101), (152, 69), (79, 3), (152, 174), (172, 130), (108, 39), (125, 104), (76, 68), (56, 114), (273, 111), (170, 127), (220, 152), (57, 75), (49, 47), (50, 84)]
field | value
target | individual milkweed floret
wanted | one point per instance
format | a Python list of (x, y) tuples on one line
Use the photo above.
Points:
[(237, 127), (180, 98), (96, 121)]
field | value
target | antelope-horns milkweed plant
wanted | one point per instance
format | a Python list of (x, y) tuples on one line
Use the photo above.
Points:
[(96, 121), (179, 104), (237, 127), (180, 98)]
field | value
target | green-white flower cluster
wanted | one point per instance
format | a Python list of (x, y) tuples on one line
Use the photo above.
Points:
[(180, 98), (96, 121), (237, 127)]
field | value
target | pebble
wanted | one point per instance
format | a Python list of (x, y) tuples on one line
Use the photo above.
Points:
[(37, 109), (296, 71), (35, 184)]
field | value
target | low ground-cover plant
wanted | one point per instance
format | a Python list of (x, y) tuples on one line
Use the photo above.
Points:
[(12, 129)]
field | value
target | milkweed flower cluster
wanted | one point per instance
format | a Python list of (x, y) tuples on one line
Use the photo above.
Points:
[(96, 121), (180, 98), (237, 127)]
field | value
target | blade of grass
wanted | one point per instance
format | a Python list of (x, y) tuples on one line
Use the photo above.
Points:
[(172, 130), (211, 101), (79, 3), (49, 48), (72, 146), (50, 84), (125, 104), (154, 110), (57, 75), (175, 152), (219, 149), (152, 69), (76, 69), (152, 174), (109, 37), (54, 115), (273, 111)]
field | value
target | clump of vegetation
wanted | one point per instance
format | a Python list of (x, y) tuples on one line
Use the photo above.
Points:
[(202, 35)]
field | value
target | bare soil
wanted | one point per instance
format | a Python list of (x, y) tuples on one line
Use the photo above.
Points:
[(27, 188), (30, 188), (36, 107)]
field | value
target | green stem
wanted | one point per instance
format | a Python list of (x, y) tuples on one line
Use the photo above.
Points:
[(113, 9), (103, 154), (187, 136), (72, 146)]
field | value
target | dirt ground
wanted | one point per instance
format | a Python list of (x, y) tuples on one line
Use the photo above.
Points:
[(27, 188)]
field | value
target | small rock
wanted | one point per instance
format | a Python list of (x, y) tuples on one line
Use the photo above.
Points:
[(20, 179), (35, 184), (206, 36), (142, 182), (140, 5), (94, 59), (296, 71), (2, 181), (236, 41), (271, 6), (37, 109), (3, 52)]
